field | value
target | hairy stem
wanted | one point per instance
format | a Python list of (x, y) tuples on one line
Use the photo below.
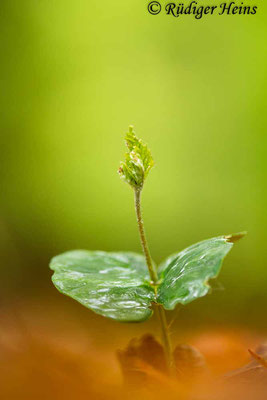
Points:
[(152, 271), (154, 280)]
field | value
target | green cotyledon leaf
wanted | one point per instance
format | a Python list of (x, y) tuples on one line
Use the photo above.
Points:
[(184, 276), (115, 285)]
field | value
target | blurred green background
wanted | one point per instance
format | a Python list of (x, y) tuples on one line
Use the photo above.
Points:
[(74, 75)]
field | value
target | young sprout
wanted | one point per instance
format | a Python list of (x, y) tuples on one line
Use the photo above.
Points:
[(138, 162), (124, 285)]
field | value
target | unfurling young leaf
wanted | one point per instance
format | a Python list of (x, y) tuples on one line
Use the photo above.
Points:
[(138, 161)]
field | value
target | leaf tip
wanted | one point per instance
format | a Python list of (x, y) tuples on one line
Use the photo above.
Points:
[(234, 237)]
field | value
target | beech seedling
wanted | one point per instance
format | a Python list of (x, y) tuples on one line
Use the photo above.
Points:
[(124, 285)]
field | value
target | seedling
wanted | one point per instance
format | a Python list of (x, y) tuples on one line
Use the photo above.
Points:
[(124, 285)]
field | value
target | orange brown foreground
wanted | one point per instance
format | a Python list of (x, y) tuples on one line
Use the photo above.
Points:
[(215, 366)]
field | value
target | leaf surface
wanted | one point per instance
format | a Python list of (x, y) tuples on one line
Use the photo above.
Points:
[(184, 276), (115, 285)]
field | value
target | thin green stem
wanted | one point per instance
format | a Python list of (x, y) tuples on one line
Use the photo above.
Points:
[(152, 271), (154, 280), (165, 337)]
